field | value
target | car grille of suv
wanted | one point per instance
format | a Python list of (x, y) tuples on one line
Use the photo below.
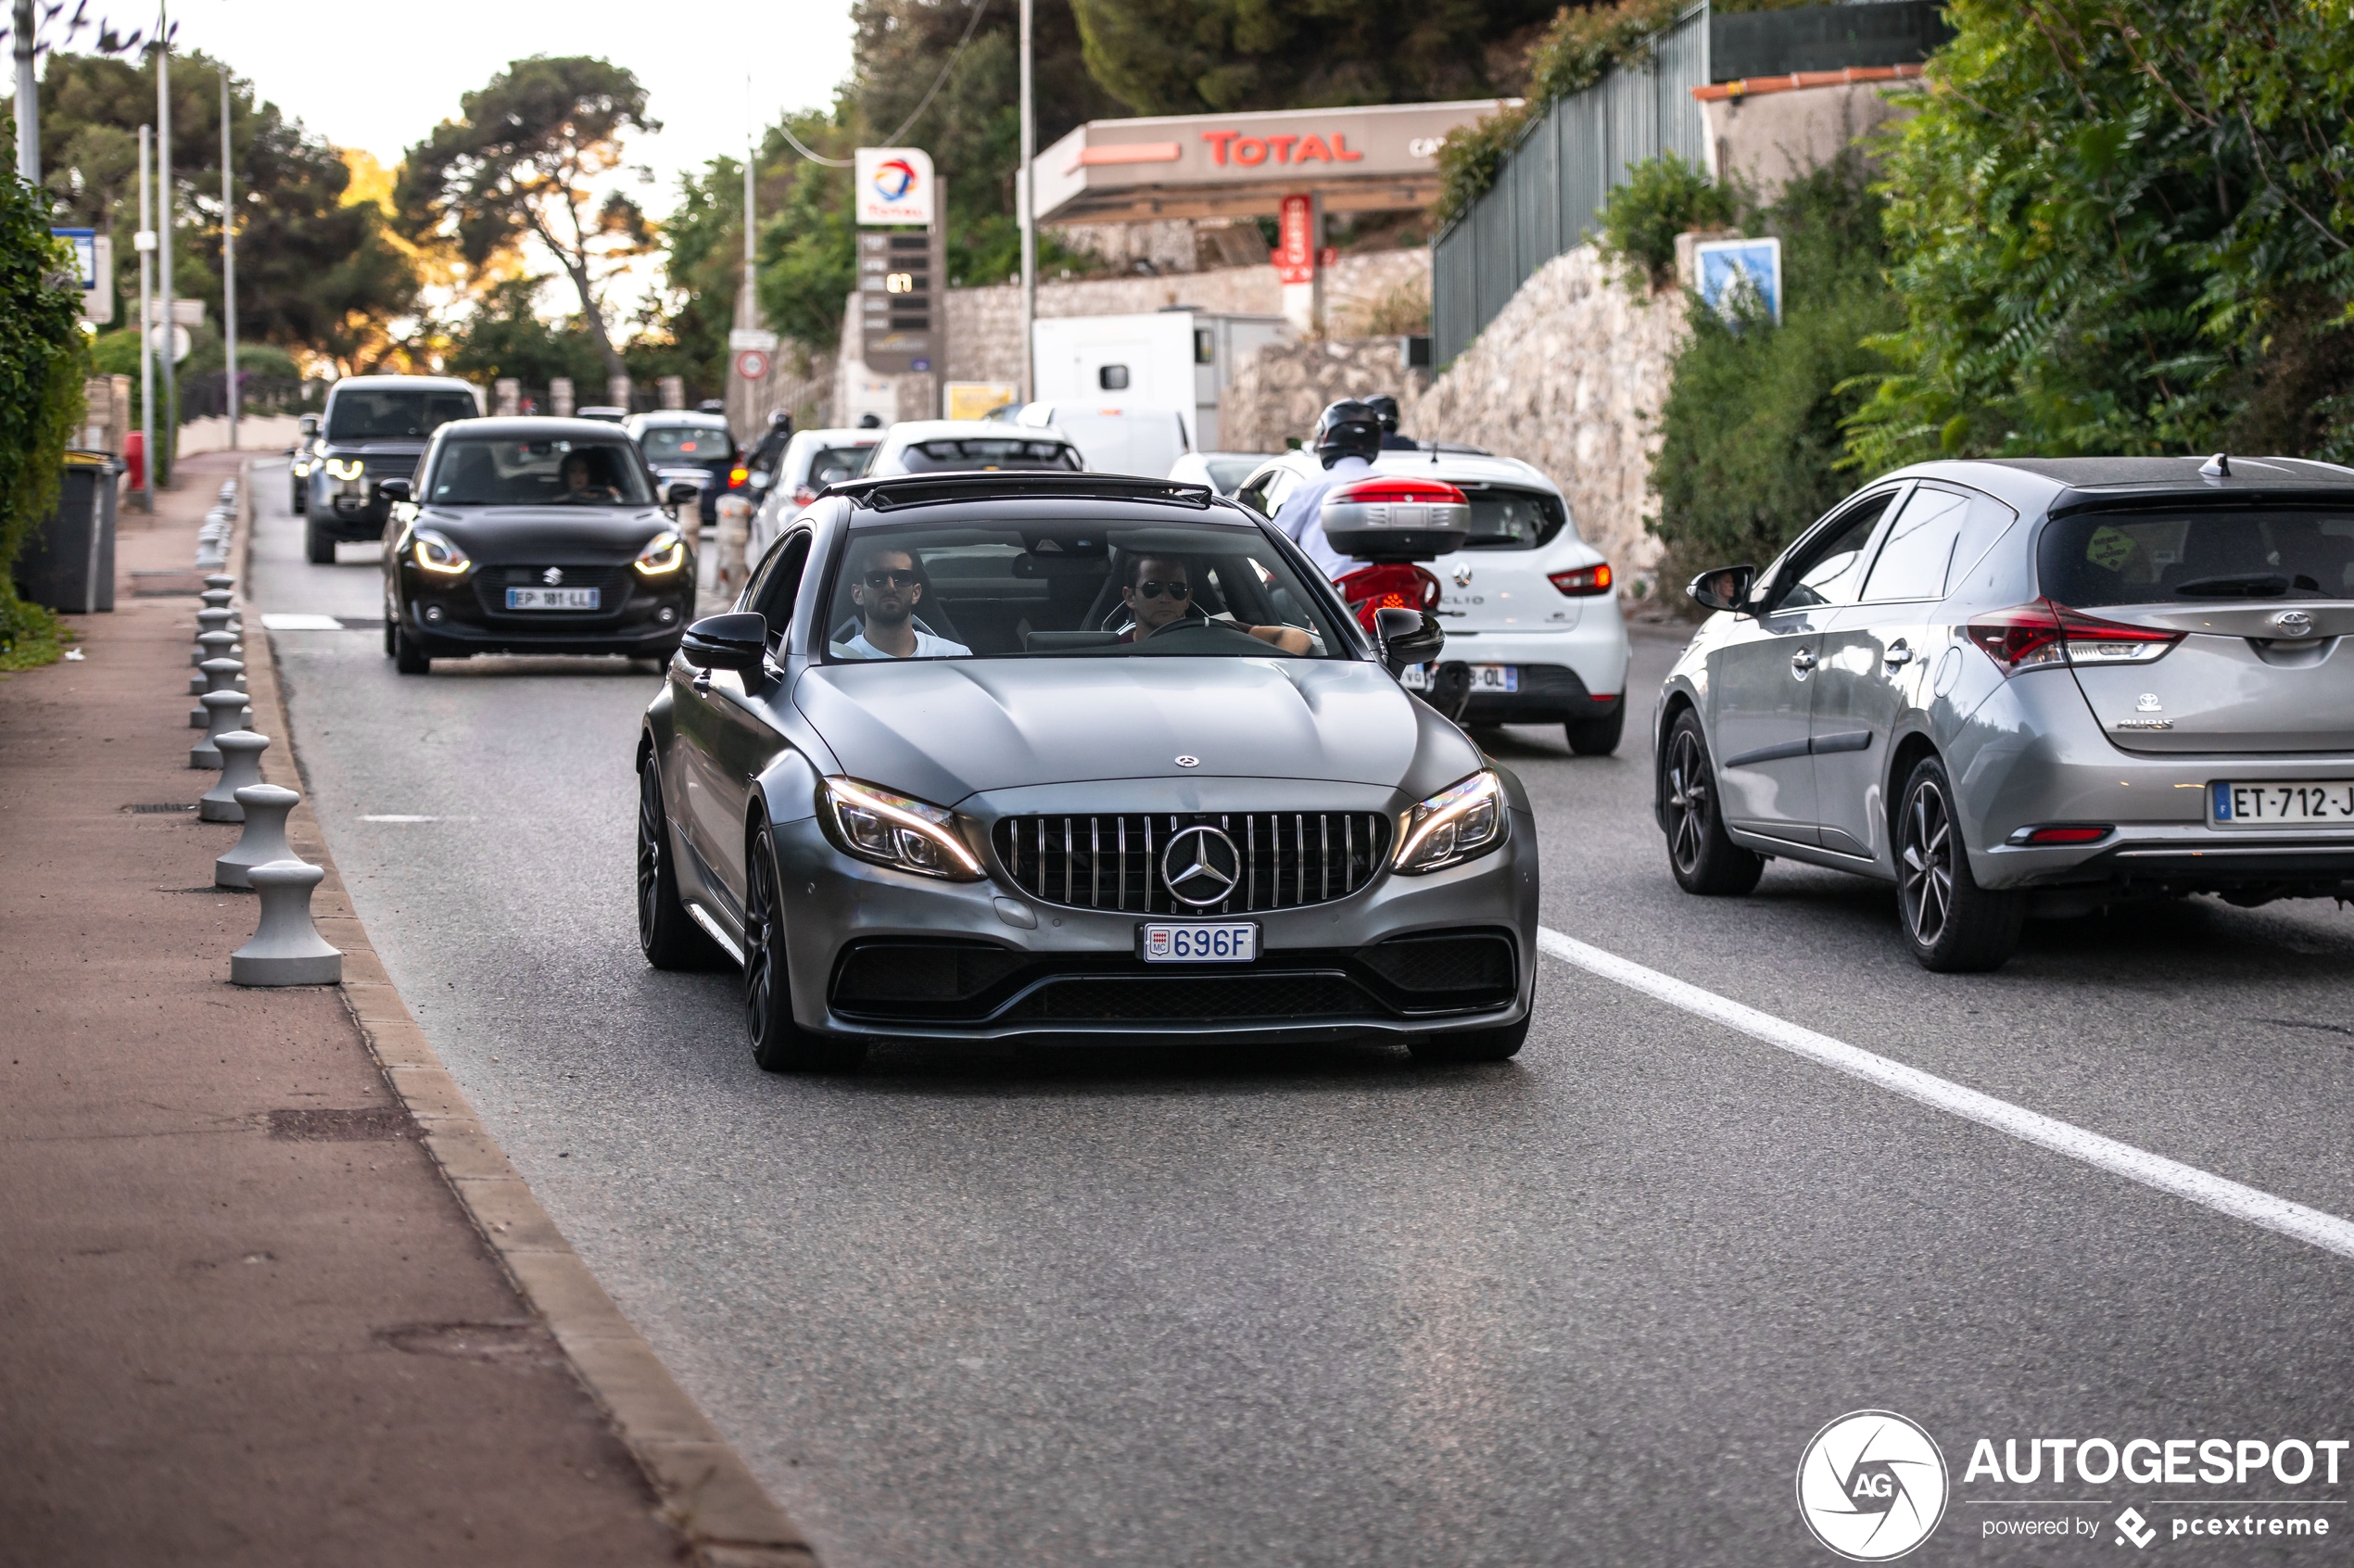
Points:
[(1288, 859)]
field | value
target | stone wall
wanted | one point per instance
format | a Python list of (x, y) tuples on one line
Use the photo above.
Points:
[(1279, 394), (1570, 377)]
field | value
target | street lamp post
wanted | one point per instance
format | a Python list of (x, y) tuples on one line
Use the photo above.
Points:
[(163, 233), (1029, 220), (145, 241), (28, 96), (228, 259)]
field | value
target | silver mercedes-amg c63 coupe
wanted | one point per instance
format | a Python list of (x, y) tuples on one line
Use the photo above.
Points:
[(1071, 756)]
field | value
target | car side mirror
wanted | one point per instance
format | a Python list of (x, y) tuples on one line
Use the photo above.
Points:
[(681, 494), (1408, 637), (393, 489), (733, 641), (760, 479), (1727, 587)]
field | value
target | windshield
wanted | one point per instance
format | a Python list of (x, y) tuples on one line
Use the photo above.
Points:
[(2200, 557), (1072, 590), (830, 465), (1507, 519), (686, 443), (393, 414), (1227, 472), (965, 453), (478, 472)]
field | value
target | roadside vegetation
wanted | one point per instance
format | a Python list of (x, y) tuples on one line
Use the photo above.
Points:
[(41, 361)]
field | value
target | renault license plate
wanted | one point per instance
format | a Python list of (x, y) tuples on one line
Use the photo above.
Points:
[(1495, 677), (1198, 941), (553, 599), (2285, 802)]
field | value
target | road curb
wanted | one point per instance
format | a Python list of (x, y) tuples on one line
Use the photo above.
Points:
[(707, 1491)]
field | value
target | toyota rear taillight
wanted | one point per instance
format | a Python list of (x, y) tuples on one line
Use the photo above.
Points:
[(2032, 636), (1396, 586), (1582, 581)]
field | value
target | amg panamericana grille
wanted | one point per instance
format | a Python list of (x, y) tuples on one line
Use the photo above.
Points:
[(1288, 858)]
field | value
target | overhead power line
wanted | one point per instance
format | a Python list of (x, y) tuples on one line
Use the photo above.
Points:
[(922, 103)]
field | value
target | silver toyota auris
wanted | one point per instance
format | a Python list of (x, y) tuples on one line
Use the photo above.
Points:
[(2031, 686), (1050, 756)]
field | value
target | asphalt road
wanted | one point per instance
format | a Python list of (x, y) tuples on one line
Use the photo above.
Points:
[(1326, 1307)]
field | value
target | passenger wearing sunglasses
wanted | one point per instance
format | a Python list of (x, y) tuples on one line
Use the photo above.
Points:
[(1161, 595), (886, 588)]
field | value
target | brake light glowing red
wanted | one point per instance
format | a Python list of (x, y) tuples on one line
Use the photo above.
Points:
[(2032, 636), (1582, 581), (736, 477), (1389, 586), (1384, 487), (2071, 835)]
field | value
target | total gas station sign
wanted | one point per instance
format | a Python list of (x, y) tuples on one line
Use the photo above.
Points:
[(894, 186)]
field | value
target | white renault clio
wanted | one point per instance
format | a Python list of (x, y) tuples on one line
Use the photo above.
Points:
[(1530, 607)]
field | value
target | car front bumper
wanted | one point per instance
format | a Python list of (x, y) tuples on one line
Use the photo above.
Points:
[(450, 620), (1311, 982)]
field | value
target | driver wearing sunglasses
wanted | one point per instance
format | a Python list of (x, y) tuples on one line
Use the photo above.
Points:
[(1161, 595), (886, 587)]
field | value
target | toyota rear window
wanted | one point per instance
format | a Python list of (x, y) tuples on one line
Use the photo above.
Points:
[(2198, 556)]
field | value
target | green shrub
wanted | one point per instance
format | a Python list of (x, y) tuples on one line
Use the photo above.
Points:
[(1752, 432), (1662, 198), (42, 362)]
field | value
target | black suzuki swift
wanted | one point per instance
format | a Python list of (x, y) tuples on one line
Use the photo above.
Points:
[(534, 535)]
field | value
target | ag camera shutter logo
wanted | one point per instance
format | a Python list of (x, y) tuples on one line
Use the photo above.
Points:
[(1872, 1485)]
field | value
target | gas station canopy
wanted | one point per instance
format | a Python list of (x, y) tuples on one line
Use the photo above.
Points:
[(1373, 158)]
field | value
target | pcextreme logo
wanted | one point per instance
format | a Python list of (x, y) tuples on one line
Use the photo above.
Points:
[(1871, 1485)]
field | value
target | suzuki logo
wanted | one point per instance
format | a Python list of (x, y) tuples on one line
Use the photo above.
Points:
[(1200, 867), (552, 576)]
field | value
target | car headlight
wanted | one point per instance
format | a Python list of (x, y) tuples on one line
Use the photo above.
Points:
[(908, 835), (665, 553), (435, 554), (346, 469), (1459, 822), (302, 470)]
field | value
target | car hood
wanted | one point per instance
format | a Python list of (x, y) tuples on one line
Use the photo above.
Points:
[(535, 533), (943, 730)]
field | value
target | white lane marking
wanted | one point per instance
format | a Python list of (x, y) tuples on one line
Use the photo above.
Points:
[(2294, 1220), (283, 622), (395, 816)]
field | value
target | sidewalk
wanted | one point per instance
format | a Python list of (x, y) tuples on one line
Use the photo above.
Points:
[(243, 1318)]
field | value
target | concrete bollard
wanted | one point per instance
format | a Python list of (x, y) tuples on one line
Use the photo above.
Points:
[(287, 948), (220, 580), (240, 767), (225, 711), (266, 807), (218, 599), (228, 491), (209, 620), (213, 645), (220, 675), (734, 534)]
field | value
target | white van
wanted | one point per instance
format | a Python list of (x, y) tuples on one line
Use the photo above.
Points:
[(1114, 437)]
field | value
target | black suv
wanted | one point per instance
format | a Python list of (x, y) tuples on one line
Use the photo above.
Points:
[(373, 430)]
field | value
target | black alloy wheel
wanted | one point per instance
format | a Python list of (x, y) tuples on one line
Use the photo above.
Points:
[(667, 935), (1953, 925), (406, 657), (778, 1045), (1699, 853), (318, 545)]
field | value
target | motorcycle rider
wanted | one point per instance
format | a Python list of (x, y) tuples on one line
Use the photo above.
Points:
[(771, 446), (1347, 437), (1386, 406)]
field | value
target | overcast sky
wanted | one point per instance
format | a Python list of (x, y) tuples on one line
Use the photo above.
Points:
[(381, 76)]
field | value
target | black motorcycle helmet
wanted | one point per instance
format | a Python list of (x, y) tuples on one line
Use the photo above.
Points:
[(780, 422), (1347, 428), (1385, 407)]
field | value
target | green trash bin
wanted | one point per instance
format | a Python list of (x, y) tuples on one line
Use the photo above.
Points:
[(68, 564)]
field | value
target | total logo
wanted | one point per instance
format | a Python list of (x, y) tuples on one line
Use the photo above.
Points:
[(1872, 1485), (894, 178)]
